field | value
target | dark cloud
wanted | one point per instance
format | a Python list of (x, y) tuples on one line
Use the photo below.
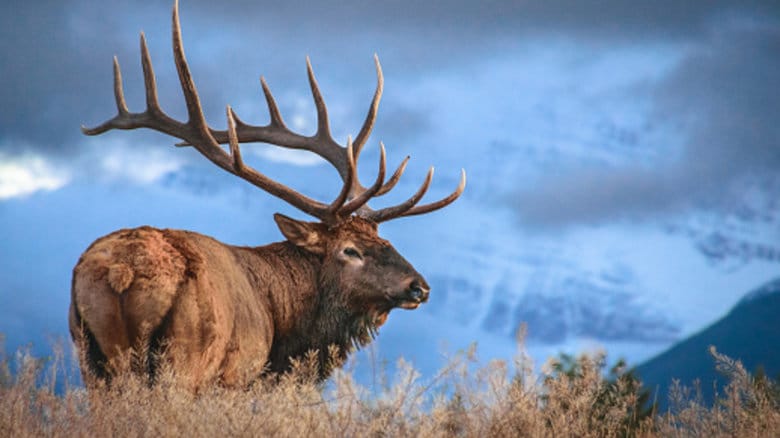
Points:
[(36, 78), (54, 78), (57, 69), (729, 91), (726, 96), (57, 73), (451, 19)]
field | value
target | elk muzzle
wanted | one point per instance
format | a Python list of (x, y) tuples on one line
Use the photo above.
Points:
[(414, 293)]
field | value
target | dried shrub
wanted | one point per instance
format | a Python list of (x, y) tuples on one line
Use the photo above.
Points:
[(569, 399)]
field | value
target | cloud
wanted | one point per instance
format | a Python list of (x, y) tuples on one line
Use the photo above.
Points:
[(138, 164), (46, 76), (463, 20), (728, 91), (290, 156), (723, 99), (24, 175), (60, 73)]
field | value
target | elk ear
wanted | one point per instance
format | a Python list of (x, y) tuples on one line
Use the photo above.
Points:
[(305, 235)]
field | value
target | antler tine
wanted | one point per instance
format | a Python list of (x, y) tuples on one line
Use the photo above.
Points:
[(323, 126), (150, 83), (361, 199), (349, 181), (388, 213), (119, 94), (194, 109), (410, 208), (235, 149), (368, 124), (121, 105), (152, 117), (422, 209), (393, 179), (273, 109)]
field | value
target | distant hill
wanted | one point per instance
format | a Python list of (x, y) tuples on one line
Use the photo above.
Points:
[(750, 332)]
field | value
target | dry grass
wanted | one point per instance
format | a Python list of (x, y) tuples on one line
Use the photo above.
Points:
[(462, 400)]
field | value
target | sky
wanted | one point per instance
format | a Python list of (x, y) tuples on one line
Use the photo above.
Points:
[(566, 115), (718, 79)]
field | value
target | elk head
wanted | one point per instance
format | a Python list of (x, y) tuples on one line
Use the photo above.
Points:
[(368, 273), (356, 261)]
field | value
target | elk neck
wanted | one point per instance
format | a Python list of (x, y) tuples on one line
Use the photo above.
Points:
[(310, 312)]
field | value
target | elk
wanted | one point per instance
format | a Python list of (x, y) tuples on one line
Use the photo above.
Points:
[(229, 314)]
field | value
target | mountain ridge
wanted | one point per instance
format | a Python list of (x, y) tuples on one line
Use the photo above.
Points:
[(749, 332)]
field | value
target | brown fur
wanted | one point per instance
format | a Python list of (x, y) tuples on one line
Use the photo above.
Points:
[(225, 313)]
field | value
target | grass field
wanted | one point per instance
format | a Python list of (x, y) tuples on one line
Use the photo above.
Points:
[(572, 399)]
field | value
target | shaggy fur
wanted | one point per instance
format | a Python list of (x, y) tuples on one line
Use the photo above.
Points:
[(228, 314)]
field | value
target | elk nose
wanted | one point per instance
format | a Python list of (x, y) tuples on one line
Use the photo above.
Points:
[(418, 290)]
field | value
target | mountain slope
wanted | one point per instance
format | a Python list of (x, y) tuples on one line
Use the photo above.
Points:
[(750, 332)]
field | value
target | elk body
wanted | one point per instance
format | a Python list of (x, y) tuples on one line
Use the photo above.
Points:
[(227, 314)]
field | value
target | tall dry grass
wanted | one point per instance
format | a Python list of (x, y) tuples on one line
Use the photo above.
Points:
[(462, 400)]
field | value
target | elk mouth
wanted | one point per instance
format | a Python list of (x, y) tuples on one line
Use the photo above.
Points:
[(408, 305), (404, 302), (411, 298)]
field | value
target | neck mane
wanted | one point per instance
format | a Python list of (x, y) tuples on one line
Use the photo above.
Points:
[(326, 325)]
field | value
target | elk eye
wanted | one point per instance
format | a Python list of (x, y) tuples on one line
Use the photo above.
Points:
[(352, 252)]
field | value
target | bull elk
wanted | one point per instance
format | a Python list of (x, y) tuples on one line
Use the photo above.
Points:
[(227, 314)]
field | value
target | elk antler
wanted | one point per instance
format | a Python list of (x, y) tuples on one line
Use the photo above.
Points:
[(353, 196)]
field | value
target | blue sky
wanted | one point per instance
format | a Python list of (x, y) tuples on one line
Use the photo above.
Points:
[(580, 124)]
